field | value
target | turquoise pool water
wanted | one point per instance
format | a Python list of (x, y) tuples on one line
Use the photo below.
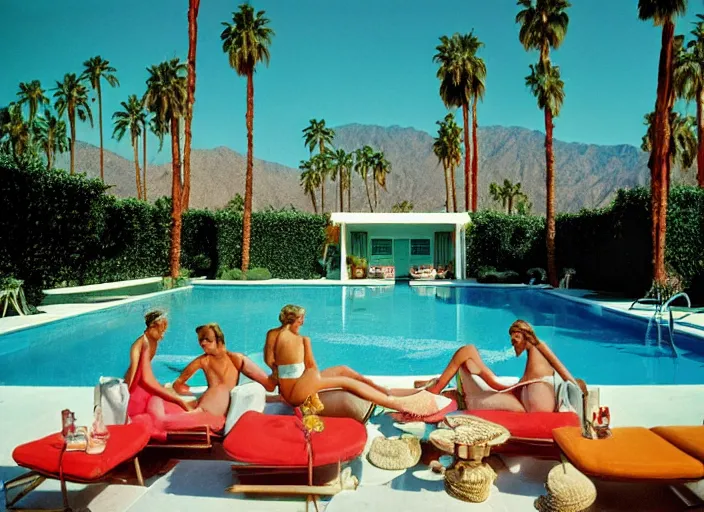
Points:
[(386, 330)]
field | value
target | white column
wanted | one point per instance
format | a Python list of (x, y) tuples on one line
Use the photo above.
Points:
[(343, 252), (458, 252)]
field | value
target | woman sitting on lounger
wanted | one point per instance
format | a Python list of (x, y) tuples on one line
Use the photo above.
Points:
[(534, 392), (299, 377)]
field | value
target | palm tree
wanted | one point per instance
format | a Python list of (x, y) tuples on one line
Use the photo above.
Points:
[(193, 7), (477, 88), (317, 134), (548, 88), (506, 194), (310, 181), (51, 136), (447, 147), (381, 167), (342, 163), (71, 98), (544, 26), (683, 140), (131, 118), (246, 42), (33, 95), (689, 84), (322, 163), (662, 12), (362, 164), (96, 69), (16, 131), (458, 65), (166, 99), (402, 207)]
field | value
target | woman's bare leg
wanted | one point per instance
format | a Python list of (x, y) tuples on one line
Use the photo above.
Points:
[(468, 357), (420, 403), (477, 398), (346, 371)]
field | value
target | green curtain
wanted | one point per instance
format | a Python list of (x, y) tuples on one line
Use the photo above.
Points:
[(359, 244), (443, 248)]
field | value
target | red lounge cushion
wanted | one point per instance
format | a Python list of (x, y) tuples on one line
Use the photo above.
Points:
[(267, 439), (42, 455), (530, 425)]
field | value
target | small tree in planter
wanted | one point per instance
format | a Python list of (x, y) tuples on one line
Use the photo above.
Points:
[(11, 293), (359, 267)]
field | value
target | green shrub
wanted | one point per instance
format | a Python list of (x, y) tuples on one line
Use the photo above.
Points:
[(232, 274), (258, 274)]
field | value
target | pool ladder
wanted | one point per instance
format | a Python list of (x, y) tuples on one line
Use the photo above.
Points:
[(657, 316)]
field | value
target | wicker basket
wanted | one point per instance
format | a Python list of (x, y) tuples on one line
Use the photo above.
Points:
[(568, 491), (469, 482)]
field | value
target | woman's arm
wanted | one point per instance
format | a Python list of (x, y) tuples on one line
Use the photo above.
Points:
[(180, 385), (246, 366), (308, 358), (150, 383), (555, 362)]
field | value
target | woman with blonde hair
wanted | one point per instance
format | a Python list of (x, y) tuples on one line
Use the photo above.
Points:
[(534, 392), (300, 379)]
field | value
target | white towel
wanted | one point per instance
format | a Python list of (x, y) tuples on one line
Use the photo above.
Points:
[(112, 395), (247, 397), (568, 396)]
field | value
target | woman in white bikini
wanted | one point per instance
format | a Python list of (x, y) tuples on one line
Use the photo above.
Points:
[(299, 377), (534, 392)]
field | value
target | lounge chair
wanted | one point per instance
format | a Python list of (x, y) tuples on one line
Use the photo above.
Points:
[(264, 448), (45, 459), (668, 455)]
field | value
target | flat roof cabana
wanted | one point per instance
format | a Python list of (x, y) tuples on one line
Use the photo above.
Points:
[(403, 238)]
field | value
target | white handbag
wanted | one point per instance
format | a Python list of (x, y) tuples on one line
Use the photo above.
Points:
[(112, 395)]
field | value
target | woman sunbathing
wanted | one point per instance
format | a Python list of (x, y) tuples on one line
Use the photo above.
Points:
[(534, 392), (146, 346), (300, 379)]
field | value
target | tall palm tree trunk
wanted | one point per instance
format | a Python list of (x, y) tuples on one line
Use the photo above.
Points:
[(100, 127), (144, 161), (700, 137), (315, 204), (247, 217), (369, 197), (510, 204), (446, 171), (454, 188), (349, 190), (72, 122), (550, 199), (341, 177), (49, 157), (467, 156), (475, 159), (193, 6), (376, 200), (175, 253), (135, 145), (661, 151)]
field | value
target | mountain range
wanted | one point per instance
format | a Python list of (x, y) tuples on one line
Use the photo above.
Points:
[(587, 175)]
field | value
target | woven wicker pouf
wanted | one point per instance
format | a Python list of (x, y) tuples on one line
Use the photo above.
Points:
[(469, 481), (568, 491)]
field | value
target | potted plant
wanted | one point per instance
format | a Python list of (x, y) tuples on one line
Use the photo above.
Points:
[(359, 267)]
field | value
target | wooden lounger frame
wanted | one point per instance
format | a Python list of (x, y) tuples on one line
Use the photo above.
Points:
[(28, 482)]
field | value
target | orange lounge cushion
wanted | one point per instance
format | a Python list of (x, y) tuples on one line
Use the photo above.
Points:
[(631, 453), (529, 425), (689, 439), (42, 455), (273, 440)]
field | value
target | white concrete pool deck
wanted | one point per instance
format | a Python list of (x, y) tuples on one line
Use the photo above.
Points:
[(28, 413)]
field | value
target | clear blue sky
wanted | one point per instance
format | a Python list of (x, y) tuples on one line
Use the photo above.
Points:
[(361, 61)]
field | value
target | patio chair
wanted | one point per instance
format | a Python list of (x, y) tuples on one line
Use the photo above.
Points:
[(273, 454)]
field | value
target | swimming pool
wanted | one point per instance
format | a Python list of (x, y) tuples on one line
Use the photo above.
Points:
[(384, 330)]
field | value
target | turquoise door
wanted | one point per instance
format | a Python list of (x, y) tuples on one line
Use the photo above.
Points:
[(402, 256)]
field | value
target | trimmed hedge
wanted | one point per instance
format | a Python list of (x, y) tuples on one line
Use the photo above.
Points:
[(609, 248), (287, 243), (62, 230)]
